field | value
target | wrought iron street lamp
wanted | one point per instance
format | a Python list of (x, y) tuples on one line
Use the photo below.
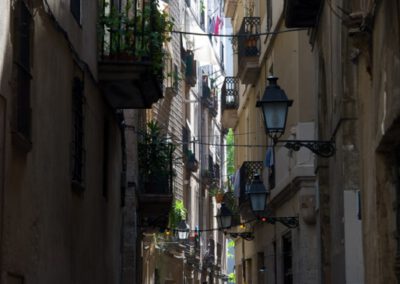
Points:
[(247, 236), (274, 105), (183, 230), (257, 194), (224, 217), (258, 202)]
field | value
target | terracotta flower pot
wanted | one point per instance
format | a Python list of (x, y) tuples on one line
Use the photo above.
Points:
[(219, 197)]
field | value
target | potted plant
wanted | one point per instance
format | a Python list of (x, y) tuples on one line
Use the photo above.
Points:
[(206, 176), (218, 194), (230, 201), (155, 159), (140, 35), (178, 213)]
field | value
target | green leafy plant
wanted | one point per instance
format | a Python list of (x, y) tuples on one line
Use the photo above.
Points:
[(230, 202), (230, 160), (139, 34), (232, 277), (215, 190), (174, 79), (178, 213), (202, 6), (155, 155)]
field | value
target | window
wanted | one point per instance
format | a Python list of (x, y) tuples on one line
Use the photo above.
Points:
[(22, 63), (105, 158), (287, 259), (275, 262), (248, 271), (261, 268), (269, 15), (78, 149), (75, 6)]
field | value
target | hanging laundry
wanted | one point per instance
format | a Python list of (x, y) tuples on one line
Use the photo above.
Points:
[(236, 184), (269, 164), (217, 25)]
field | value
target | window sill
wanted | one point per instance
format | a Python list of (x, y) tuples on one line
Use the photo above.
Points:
[(21, 142)]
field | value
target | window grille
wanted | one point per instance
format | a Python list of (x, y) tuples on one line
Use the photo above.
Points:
[(106, 134), (75, 6), (78, 149), (230, 93), (287, 259), (269, 15), (22, 62), (185, 139)]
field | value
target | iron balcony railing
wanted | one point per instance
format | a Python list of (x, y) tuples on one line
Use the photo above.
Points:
[(191, 67), (247, 172), (230, 93), (133, 33), (249, 46)]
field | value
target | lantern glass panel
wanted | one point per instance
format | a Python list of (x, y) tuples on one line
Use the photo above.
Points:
[(226, 221), (258, 201), (183, 235), (275, 115)]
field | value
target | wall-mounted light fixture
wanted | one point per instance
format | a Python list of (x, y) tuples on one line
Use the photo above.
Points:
[(258, 195), (274, 105), (224, 217), (247, 236), (183, 230)]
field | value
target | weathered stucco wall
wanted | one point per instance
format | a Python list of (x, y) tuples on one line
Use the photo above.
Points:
[(378, 93), (50, 233)]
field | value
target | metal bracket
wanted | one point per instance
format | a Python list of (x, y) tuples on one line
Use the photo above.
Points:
[(248, 236), (290, 222), (323, 149)]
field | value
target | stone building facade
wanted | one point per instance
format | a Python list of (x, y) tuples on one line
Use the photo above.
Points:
[(346, 87), (61, 148), (188, 114), (358, 102), (277, 254)]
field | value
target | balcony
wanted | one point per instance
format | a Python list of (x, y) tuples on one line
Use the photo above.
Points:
[(155, 201), (247, 171), (208, 98), (155, 194), (211, 102), (230, 8), (229, 102), (249, 48), (130, 64), (191, 68), (301, 13)]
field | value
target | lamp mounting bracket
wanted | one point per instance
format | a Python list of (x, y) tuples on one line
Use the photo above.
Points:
[(248, 236), (290, 222), (323, 149)]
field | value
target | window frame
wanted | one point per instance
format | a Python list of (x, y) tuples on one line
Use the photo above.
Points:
[(75, 7), (78, 150), (22, 61), (287, 260)]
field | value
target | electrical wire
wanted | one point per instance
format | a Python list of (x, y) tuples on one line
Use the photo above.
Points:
[(212, 229), (197, 142), (239, 35)]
